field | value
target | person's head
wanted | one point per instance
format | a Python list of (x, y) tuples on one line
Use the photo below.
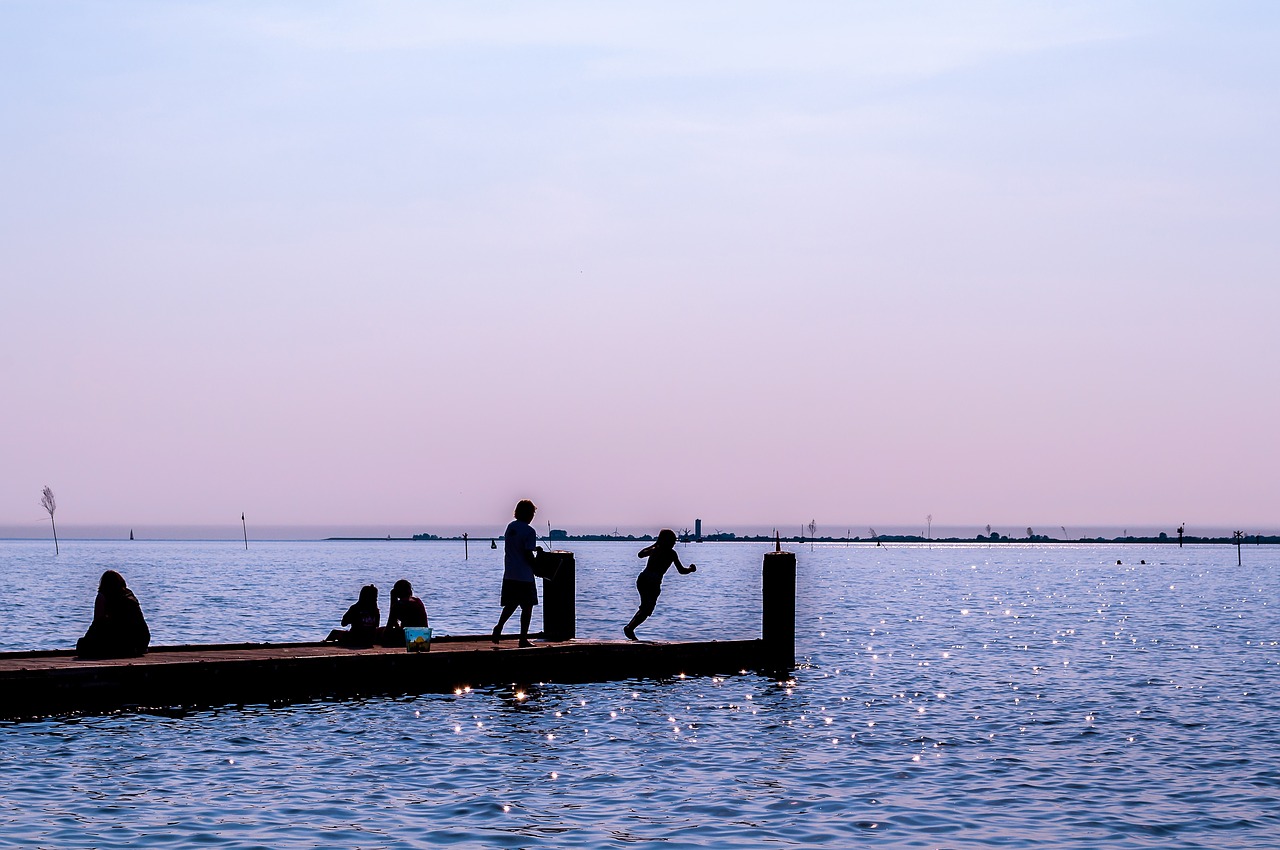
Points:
[(401, 589), (525, 510), (369, 595), (111, 582), (667, 538)]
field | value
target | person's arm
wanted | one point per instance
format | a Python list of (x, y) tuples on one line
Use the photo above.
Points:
[(681, 568), (645, 552), (531, 552)]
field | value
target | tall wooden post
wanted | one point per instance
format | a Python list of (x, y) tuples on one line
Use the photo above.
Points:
[(559, 595), (779, 622)]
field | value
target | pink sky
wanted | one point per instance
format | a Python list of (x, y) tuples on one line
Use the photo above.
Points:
[(1005, 264)]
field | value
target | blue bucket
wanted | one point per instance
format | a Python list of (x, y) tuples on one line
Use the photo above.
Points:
[(417, 639)]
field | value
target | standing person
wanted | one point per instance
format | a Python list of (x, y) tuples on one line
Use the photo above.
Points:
[(118, 629), (661, 555), (518, 587)]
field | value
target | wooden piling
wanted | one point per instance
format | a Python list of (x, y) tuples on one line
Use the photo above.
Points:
[(778, 627), (559, 595)]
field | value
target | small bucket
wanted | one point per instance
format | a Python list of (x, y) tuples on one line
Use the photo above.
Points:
[(417, 639)]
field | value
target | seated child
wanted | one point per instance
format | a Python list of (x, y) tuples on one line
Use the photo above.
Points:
[(118, 630), (363, 620), (404, 610), (661, 555)]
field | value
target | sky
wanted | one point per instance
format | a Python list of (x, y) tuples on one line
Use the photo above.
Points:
[(399, 263)]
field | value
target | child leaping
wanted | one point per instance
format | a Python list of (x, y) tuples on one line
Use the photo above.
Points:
[(661, 555)]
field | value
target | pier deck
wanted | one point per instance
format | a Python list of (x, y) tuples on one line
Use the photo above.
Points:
[(38, 684)]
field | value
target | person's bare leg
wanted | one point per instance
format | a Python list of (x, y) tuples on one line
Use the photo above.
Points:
[(630, 628), (526, 614), (507, 611), (642, 614)]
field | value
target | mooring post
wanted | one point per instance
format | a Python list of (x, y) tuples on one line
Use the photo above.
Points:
[(779, 622), (559, 594)]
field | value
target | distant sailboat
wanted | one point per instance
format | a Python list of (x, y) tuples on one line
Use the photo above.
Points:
[(131, 534)]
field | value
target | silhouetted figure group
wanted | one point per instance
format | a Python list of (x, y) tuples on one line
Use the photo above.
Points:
[(520, 560), (118, 629), (405, 610)]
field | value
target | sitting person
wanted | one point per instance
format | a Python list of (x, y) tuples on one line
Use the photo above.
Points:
[(362, 618), (404, 610), (118, 629)]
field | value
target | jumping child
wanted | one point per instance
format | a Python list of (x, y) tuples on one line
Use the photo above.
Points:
[(661, 555)]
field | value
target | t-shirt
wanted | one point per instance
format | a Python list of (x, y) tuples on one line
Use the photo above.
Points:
[(360, 618), (520, 538), (407, 612)]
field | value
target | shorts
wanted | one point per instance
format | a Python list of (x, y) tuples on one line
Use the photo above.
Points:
[(522, 593), (650, 588)]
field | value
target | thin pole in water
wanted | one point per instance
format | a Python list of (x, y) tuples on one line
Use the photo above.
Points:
[(466, 552), (246, 530), (49, 504), (1239, 535)]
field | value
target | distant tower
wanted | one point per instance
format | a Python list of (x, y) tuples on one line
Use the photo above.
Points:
[(697, 529)]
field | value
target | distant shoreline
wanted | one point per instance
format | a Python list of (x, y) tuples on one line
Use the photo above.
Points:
[(793, 540), (1247, 540)]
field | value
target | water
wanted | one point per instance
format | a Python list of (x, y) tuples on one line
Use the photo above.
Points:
[(965, 696)]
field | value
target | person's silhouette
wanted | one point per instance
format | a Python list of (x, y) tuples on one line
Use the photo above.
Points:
[(118, 629), (363, 618), (518, 587), (403, 610), (661, 555)]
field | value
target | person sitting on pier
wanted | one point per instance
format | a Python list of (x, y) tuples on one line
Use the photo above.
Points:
[(661, 555), (405, 609), (518, 587), (118, 629), (362, 618)]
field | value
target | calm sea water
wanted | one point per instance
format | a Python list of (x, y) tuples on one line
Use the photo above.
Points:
[(963, 696)]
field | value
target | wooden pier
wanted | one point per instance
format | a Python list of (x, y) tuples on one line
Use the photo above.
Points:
[(44, 683)]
